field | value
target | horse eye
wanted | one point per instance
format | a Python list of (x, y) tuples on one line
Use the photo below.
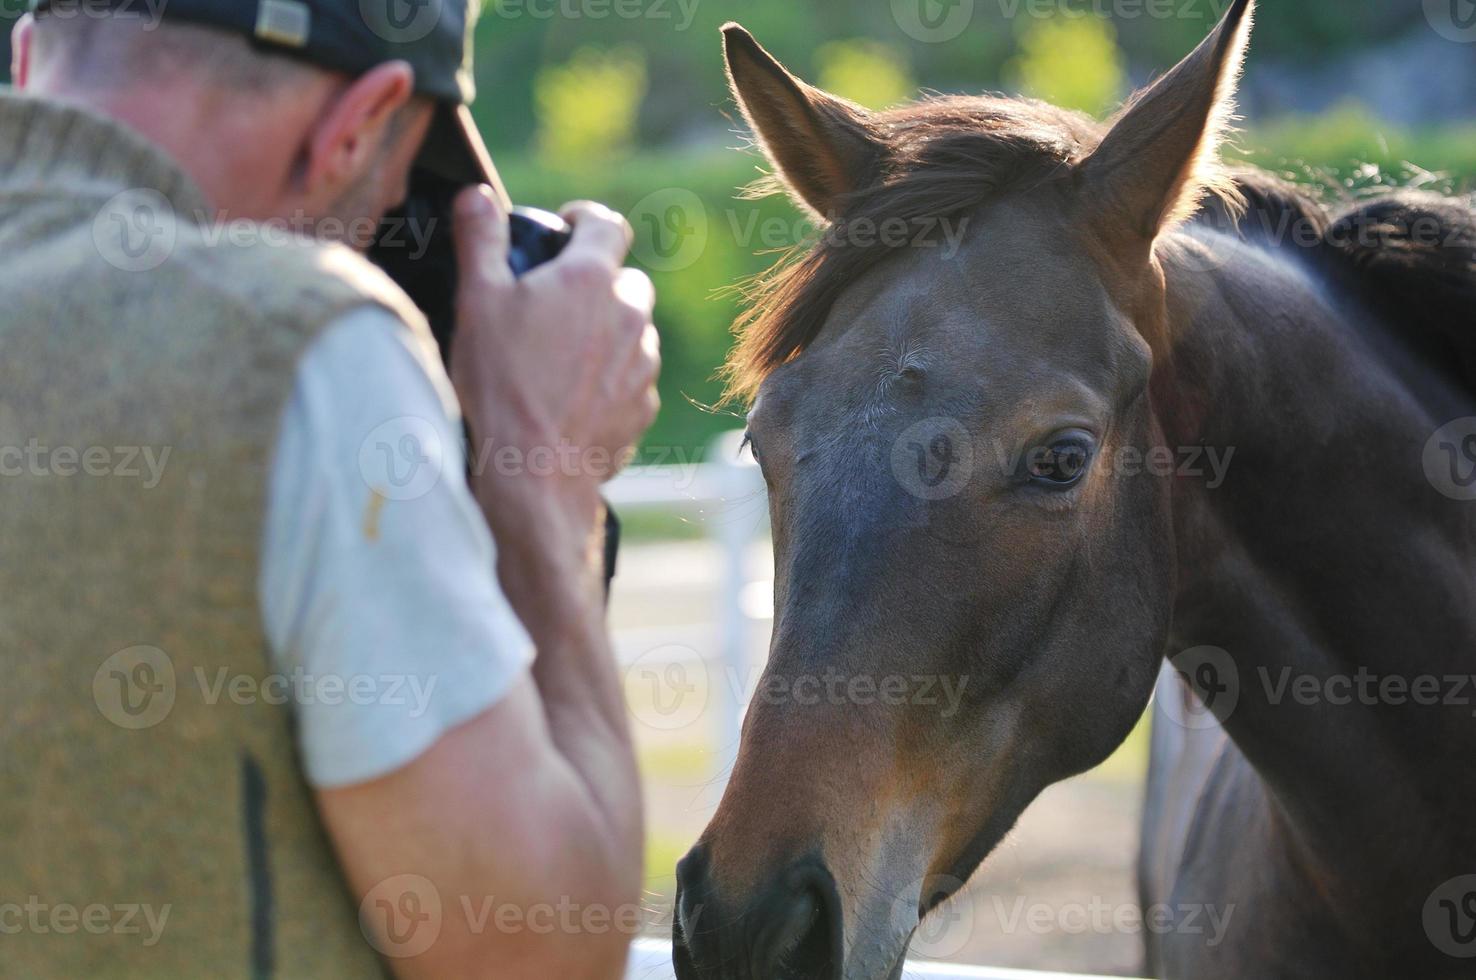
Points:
[(749, 444), (1061, 464)]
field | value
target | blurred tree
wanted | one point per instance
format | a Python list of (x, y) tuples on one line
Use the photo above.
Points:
[(1071, 61), (587, 108), (867, 72), (7, 21)]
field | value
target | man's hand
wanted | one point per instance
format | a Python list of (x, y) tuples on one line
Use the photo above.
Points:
[(560, 365), (537, 799)]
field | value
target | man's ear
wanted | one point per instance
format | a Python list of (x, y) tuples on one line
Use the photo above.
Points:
[(20, 50), (1162, 152), (823, 147), (348, 136)]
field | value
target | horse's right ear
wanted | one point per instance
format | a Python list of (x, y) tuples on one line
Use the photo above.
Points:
[(823, 147), (1162, 153)]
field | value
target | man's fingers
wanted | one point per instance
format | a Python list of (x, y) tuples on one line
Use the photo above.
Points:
[(482, 238), (642, 366), (651, 353), (600, 234), (635, 289)]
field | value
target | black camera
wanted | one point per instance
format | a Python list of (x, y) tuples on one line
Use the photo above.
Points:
[(417, 249)]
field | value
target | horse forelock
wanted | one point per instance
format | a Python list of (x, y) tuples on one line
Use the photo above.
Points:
[(945, 157), (950, 156)]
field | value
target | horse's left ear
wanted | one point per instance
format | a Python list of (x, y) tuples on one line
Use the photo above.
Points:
[(1161, 154), (823, 147)]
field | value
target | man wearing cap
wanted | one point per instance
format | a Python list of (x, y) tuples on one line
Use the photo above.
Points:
[(272, 706)]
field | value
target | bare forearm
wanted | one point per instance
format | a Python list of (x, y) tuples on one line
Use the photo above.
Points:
[(550, 567), (533, 880)]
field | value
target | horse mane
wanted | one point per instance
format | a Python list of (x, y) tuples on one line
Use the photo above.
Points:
[(944, 156), (1410, 255)]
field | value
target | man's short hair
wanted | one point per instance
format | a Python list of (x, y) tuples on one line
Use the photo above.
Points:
[(118, 49)]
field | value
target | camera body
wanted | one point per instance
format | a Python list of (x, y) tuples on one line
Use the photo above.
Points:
[(537, 237), (417, 249)]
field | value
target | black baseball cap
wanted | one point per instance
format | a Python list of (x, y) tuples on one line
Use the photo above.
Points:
[(353, 37)]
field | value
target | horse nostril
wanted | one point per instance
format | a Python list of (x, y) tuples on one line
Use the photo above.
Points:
[(789, 930), (691, 892), (799, 934)]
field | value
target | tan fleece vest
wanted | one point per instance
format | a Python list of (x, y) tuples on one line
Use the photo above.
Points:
[(153, 819)]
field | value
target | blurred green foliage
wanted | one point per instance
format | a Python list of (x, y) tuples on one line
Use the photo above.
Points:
[(687, 91), (625, 101), (587, 108), (866, 72), (1070, 62)]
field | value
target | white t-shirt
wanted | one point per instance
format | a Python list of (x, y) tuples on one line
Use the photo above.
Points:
[(378, 588)]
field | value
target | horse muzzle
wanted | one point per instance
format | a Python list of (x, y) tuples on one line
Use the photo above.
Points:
[(789, 928)]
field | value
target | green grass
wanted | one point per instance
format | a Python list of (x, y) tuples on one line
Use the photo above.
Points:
[(1352, 150)]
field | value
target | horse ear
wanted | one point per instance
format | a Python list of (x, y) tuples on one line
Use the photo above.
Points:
[(823, 147), (1161, 154)]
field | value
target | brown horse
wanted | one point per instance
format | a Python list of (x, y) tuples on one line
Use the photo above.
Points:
[(1000, 499)]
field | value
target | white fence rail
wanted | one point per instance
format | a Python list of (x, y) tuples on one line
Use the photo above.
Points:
[(651, 960), (728, 482)]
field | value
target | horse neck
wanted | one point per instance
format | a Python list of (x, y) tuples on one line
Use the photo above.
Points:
[(1326, 562)]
